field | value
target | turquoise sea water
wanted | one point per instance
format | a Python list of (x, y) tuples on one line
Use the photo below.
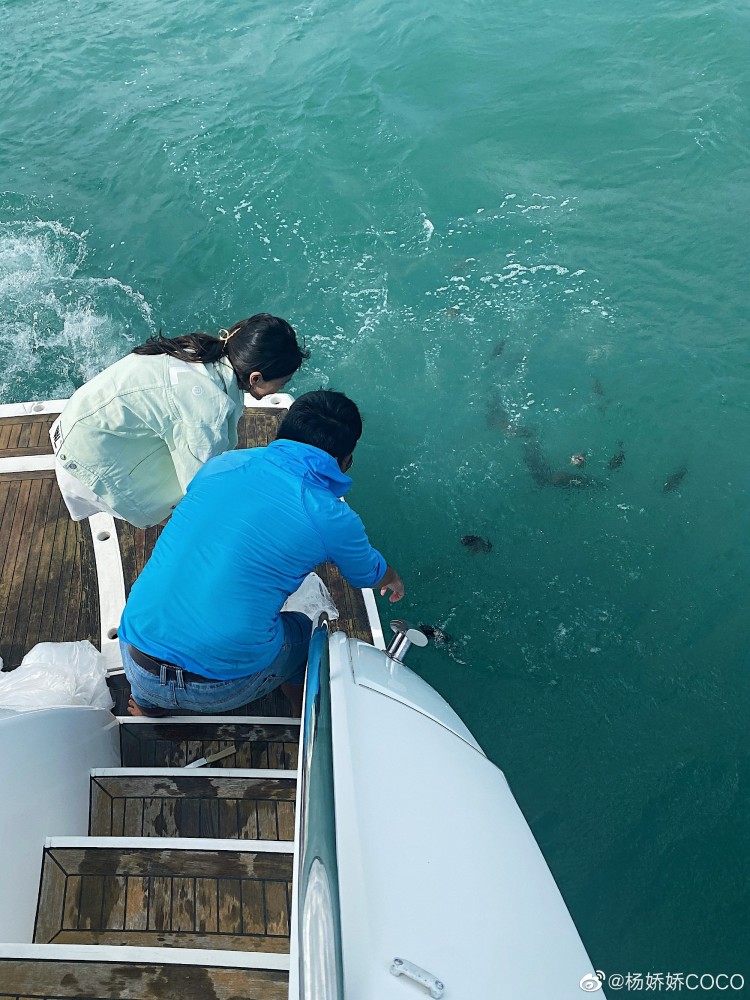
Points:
[(475, 213)]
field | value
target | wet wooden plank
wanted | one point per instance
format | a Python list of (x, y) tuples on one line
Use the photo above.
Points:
[(183, 904), (160, 906), (267, 825), (153, 811), (350, 602), (135, 981), (91, 901), (228, 819), (195, 785), (26, 435), (157, 862), (51, 902), (247, 819), (277, 908), (132, 823), (117, 821), (189, 817), (100, 811), (114, 895), (253, 908), (207, 905), (169, 818), (230, 906), (259, 754), (48, 589), (72, 901), (12, 583), (136, 903), (277, 944), (136, 546), (285, 820), (209, 818), (36, 565)]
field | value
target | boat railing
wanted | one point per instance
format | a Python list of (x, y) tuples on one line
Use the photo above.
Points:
[(318, 911)]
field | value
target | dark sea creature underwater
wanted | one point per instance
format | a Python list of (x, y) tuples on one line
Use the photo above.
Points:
[(499, 347), (574, 479), (536, 463), (440, 636), (674, 480), (498, 419), (598, 387), (476, 544), (544, 475), (618, 458)]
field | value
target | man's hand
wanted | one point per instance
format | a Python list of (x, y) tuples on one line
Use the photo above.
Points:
[(393, 582)]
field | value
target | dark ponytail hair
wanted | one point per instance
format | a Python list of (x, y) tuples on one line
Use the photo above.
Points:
[(263, 343)]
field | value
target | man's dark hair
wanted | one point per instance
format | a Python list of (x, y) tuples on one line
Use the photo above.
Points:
[(327, 420)]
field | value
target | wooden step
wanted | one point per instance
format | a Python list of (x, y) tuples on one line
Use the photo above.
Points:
[(260, 743), (54, 979), (193, 803), (191, 894)]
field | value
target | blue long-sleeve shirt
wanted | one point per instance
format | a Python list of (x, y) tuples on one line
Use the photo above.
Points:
[(251, 527)]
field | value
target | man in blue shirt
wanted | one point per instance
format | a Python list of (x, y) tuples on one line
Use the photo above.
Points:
[(203, 628)]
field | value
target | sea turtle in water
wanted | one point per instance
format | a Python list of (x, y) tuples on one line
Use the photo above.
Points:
[(564, 478), (674, 480), (544, 475), (440, 636), (618, 458), (603, 400), (476, 544), (579, 459), (499, 347), (498, 419)]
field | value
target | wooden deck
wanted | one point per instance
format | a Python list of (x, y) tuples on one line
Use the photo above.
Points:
[(25, 435), (21, 979), (49, 589)]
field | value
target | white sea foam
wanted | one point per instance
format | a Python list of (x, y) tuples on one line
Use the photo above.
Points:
[(57, 323)]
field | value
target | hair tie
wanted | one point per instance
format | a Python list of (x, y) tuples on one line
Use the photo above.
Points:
[(226, 335)]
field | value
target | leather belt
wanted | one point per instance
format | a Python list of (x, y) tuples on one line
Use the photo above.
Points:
[(153, 666)]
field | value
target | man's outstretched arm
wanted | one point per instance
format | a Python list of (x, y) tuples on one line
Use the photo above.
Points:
[(348, 546)]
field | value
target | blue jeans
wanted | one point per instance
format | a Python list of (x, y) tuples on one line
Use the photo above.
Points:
[(171, 692)]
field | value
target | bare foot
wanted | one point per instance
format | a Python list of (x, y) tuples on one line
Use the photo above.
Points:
[(293, 693), (134, 709)]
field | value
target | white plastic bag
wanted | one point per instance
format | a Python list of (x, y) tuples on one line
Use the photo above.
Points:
[(312, 597), (57, 675)]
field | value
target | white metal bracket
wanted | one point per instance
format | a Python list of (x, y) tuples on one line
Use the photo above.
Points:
[(400, 967)]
